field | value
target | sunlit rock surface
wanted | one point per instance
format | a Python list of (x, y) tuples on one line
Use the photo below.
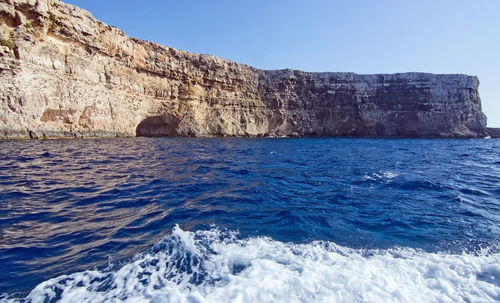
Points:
[(64, 73)]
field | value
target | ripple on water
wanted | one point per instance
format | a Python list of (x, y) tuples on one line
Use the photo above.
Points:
[(70, 205)]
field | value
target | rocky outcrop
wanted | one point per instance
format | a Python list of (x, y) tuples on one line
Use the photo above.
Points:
[(64, 73), (494, 132)]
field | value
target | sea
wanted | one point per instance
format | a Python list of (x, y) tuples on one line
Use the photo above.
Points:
[(250, 220)]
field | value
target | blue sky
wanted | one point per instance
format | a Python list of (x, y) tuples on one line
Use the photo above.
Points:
[(383, 36)]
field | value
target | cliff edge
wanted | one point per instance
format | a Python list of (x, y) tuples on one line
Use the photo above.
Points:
[(64, 73)]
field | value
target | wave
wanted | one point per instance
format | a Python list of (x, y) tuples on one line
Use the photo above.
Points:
[(381, 175), (216, 266)]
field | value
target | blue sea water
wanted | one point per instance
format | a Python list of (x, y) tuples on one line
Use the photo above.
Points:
[(250, 220)]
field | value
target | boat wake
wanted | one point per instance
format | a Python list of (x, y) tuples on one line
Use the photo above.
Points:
[(216, 266)]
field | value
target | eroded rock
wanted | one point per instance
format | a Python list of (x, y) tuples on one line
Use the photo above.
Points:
[(494, 132), (68, 74)]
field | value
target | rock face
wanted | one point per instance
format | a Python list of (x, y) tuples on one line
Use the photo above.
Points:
[(64, 73), (494, 132)]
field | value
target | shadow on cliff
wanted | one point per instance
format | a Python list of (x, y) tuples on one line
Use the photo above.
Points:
[(158, 126)]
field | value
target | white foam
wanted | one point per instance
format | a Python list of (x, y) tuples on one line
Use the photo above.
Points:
[(389, 175), (215, 266), (381, 175)]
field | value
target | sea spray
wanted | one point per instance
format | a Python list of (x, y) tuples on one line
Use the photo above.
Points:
[(217, 266)]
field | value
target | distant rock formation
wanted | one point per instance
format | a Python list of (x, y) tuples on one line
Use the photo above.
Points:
[(65, 74), (494, 132)]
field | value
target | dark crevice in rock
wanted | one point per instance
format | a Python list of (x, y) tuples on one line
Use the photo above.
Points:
[(158, 126)]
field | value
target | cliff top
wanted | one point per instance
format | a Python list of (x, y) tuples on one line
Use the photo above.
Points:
[(78, 25)]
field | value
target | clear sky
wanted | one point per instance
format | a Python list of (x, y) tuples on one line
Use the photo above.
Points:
[(371, 36)]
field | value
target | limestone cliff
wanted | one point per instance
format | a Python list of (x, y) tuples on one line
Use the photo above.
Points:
[(64, 73)]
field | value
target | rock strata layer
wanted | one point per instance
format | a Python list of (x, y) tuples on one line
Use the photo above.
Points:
[(64, 73)]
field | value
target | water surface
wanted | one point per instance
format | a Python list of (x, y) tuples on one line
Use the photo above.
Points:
[(68, 206)]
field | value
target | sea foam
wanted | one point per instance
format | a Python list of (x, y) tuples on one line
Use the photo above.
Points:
[(216, 266)]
